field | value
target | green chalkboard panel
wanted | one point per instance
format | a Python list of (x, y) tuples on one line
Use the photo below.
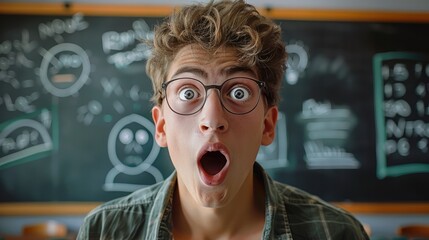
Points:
[(75, 108), (75, 121)]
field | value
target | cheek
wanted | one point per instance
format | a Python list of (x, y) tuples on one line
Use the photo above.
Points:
[(178, 127), (248, 126), (179, 138), (247, 135)]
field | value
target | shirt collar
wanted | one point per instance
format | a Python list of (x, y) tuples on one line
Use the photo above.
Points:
[(276, 221)]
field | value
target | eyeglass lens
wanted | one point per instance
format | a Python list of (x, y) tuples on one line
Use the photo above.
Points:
[(187, 96)]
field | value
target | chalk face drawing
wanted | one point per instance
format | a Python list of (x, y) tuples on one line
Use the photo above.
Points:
[(26, 139), (64, 69), (132, 150)]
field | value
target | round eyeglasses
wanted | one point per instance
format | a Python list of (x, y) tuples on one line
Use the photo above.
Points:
[(238, 95)]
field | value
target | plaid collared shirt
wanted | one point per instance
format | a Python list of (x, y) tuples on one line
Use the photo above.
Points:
[(289, 212)]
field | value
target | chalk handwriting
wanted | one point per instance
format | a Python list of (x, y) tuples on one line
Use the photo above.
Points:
[(406, 128), (123, 59), (86, 114), (21, 103), (399, 107), (57, 27), (327, 129), (119, 41), (25, 45), (403, 123), (136, 94), (320, 156), (133, 39), (111, 86)]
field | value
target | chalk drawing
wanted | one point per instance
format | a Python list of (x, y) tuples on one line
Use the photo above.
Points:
[(86, 113), (64, 69), (275, 154), (23, 139), (132, 149), (296, 63)]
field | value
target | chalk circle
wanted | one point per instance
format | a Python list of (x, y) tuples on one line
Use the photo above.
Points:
[(49, 58)]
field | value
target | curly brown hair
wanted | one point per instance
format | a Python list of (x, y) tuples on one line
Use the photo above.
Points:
[(232, 24)]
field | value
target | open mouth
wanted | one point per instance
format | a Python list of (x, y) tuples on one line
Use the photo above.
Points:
[(213, 162)]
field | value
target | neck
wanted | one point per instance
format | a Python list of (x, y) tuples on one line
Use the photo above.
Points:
[(241, 218)]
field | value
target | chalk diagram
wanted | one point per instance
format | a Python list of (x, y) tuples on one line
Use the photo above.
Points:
[(296, 63), (327, 129), (25, 139), (132, 150), (275, 154), (64, 69)]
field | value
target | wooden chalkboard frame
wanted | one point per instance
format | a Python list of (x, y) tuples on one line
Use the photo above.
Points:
[(82, 208), (154, 11)]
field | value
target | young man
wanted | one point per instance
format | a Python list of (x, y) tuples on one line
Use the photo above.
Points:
[(216, 72)]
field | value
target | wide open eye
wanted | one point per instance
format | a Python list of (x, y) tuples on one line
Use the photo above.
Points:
[(239, 93), (187, 94)]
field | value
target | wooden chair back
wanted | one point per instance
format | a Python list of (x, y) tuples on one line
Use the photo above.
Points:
[(46, 229), (414, 231)]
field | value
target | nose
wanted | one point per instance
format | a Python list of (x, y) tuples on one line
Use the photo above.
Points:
[(213, 114)]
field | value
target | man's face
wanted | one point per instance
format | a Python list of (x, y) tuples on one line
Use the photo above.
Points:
[(213, 150)]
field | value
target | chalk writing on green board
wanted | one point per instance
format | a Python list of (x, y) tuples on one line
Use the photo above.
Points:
[(401, 95), (327, 129)]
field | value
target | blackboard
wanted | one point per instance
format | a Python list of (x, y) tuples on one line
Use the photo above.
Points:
[(339, 135), (75, 123)]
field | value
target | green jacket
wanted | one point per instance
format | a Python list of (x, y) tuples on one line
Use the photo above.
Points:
[(289, 212)]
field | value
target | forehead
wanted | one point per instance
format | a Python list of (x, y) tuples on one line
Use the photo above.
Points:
[(192, 59)]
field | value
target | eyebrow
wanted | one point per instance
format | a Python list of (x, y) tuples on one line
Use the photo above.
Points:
[(194, 70), (238, 69), (226, 71)]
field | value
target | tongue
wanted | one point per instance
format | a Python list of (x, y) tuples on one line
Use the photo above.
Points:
[(213, 162)]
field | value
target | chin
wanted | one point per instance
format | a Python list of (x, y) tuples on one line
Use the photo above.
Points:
[(213, 199)]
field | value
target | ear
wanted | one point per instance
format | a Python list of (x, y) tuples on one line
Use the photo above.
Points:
[(159, 120), (270, 126)]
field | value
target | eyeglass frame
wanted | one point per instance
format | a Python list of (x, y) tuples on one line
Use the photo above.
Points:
[(261, 84)]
